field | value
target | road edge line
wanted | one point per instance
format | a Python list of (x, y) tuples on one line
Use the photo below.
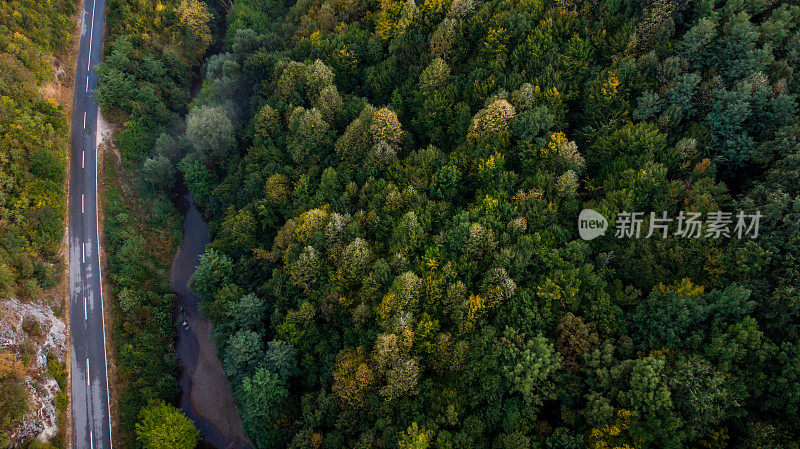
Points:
[(100, 274)]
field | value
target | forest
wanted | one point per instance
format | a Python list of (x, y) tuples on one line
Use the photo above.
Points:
[(33, 144), (151, 52), (393, 190)]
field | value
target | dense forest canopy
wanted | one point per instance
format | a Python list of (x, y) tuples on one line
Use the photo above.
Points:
[(144, 82), (33, 142), (33, 133), (393, 190)]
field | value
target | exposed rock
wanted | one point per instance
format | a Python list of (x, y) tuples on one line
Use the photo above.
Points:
[(49, 337)]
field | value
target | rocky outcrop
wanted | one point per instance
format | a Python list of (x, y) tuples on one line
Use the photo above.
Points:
[(31, 332)]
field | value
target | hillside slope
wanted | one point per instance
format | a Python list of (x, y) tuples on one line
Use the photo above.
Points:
[(33, 139), (393, 190)]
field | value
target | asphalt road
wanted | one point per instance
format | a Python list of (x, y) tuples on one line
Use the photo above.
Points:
[(90, 403)]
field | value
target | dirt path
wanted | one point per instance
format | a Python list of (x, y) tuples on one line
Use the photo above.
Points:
[(209, 402)]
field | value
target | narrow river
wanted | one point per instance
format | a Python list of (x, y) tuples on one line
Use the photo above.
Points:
[(205, 394)]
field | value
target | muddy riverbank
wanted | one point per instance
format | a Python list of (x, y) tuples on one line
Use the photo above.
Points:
[(205, 393)]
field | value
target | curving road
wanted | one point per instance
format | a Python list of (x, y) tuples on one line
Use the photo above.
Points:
[(91, 418)]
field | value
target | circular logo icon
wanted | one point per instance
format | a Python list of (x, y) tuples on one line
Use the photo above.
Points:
[(591, 224)]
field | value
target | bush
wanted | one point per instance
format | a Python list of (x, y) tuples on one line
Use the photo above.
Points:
[(32, 327)]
